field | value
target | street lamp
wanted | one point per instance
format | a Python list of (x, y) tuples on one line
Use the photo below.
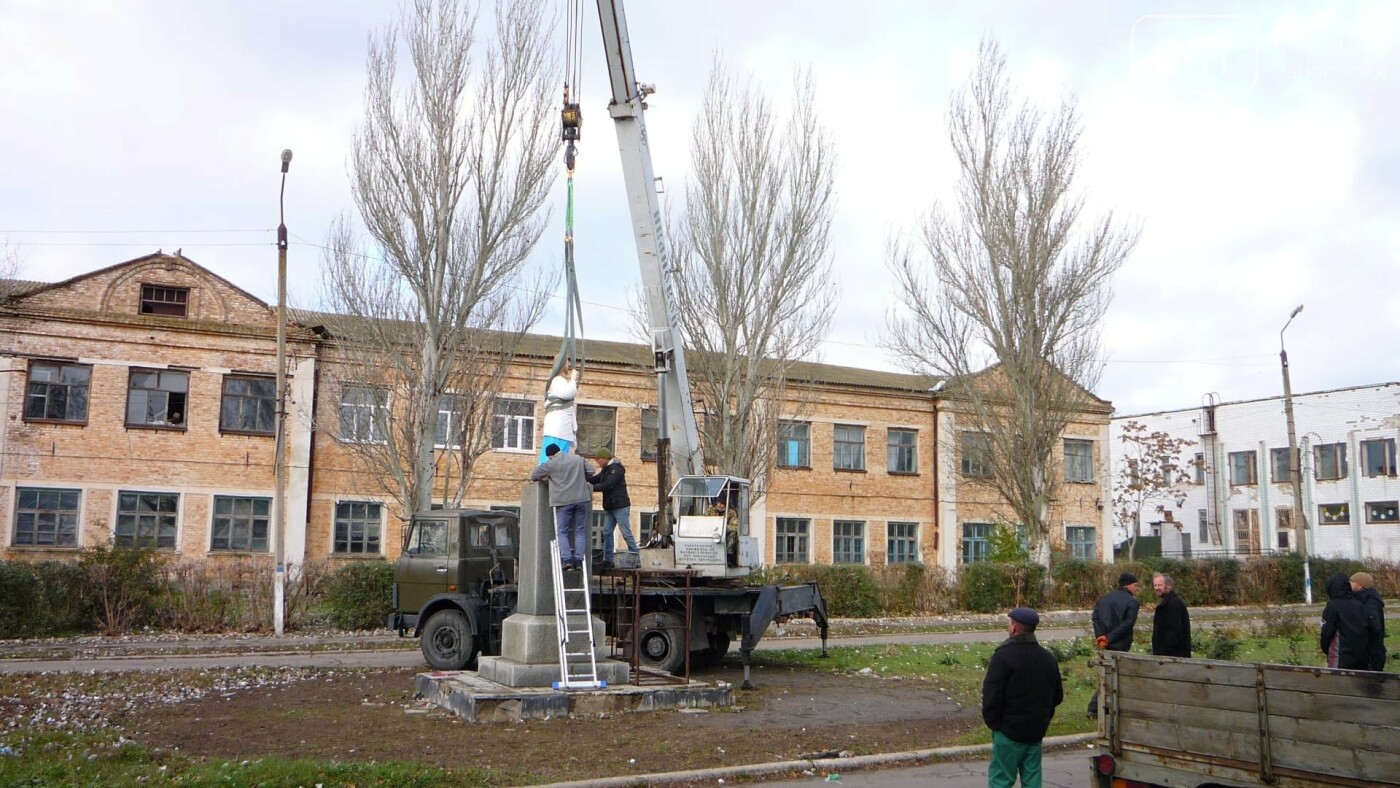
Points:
[(279, 505), (1300, 519)]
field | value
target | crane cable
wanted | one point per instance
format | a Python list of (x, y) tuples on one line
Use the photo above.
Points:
[(572, 345)]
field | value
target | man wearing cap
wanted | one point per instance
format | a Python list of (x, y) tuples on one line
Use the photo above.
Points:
[(611, 481), (1363, 590), (1115, 615), (571, 496), (1019, 696)]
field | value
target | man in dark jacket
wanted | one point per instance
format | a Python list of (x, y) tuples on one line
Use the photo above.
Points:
[(1115, 615), (611, 481), (1019, 696), (1363, 588), (1171, 623), (1347, 627)]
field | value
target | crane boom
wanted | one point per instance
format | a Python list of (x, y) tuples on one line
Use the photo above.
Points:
[(676, 416)]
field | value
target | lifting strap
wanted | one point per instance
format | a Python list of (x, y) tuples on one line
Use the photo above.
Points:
[(571, 348)]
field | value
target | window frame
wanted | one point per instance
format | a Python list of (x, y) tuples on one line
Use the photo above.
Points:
[(590, 449), (650, 434), (1079, 461), (1203, 527), (853, 449), (349, 520), (152, 306), (1286, 477), (1336, 454), (1251, 460), (1082, 549), (135, 540), (58, 368), (794, 434), (848, 548), (378, 403), (232, 525), (1341, 516), (1386, 467), (184, 409), (523, 424), (894, 452), (792, 540), (224, 397), (1389, 517), (902, 548), (37, 513), (975, 542), (442, 434), (974, 459)]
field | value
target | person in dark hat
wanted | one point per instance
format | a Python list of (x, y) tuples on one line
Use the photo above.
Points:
[(1115, 615), (1019, 695)]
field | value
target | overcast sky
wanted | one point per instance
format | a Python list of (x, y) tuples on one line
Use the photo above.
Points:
[(1255, 144)]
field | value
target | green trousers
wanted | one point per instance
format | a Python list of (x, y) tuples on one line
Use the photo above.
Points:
[(1010, 758)]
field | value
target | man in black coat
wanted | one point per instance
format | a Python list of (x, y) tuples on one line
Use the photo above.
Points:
[(611, 481), (1363, 588), (1347, 627), (1019, 696), (1115, 615), (1171, 623)]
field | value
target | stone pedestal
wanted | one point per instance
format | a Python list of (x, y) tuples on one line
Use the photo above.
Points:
[(529, 638)]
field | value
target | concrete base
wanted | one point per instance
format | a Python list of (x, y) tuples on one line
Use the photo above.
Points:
[(515, 674), (469, 696)]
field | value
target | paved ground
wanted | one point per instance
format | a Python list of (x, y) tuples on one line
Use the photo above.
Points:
[(1062, 769)]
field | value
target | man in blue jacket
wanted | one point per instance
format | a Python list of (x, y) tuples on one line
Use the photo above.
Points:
[(1019, 696), (1115, 615)]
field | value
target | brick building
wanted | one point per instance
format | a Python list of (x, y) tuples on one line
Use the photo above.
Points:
[(139, 403), (1239, 500)]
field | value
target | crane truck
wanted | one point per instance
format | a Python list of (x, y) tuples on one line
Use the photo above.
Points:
[(456, 582)]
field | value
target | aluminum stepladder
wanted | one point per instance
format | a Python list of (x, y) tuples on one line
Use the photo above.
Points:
[(573, 603)]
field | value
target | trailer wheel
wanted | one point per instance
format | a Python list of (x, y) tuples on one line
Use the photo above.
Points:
[(447, 641), (662, 642), (714, 654)]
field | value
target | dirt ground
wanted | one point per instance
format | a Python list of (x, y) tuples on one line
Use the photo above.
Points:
[(373, 716)]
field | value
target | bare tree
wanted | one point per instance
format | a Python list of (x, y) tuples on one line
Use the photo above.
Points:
[(450, 171), (1150, 478), (11, 263), (1014, 277), (753, 251)]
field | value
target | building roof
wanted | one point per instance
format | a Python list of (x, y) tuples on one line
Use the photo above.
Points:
[(37, 287), (1298, 395)]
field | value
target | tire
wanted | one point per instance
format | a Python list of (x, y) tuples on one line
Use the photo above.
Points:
[(662, 642), (714, 654), (447, 641)]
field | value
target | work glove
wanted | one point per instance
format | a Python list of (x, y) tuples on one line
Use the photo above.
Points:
[(1101, 641)]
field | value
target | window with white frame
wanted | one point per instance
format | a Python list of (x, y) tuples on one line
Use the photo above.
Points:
[(46, 517), (1202, 527), (1079, 460), (903, 451), (240, 524), (157, 398), (146, 519), (1244, 468), (1382, 512), (901, 543), (848, 542), (363, 411), (597, 429), (1330, 461), (1334, 514), (794, 444), (1378, 457), (1081, 542), (976, 454), (1198, 468), (513, 425), (1278, 462), (848, 447), (450, 428), (976, 545), (57, 392), (792, 535), (650, 434), (358, 528)]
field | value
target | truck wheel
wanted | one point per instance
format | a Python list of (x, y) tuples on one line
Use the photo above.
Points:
[(719, 646), (662, 642), (447, 641)]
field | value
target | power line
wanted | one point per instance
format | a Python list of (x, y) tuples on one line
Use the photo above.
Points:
[(128, 232)]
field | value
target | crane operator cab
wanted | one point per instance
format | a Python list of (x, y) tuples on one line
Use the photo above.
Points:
[(712, 526)]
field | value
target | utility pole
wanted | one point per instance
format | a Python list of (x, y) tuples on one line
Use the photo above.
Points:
[(1300, 518), (279, 501)]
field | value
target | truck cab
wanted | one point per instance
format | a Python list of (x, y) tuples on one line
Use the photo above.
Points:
[(712, 526), (454, 562)]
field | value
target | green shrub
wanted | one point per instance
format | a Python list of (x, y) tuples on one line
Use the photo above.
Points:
[(1182, 573), (849, 591), (359, 595), (1219, 580), (122, 584), (1217, 643), (1004, 545), (986, 587), (1079, 583)]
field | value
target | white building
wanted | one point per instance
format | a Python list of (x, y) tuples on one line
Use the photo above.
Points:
[(1240, 501)]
